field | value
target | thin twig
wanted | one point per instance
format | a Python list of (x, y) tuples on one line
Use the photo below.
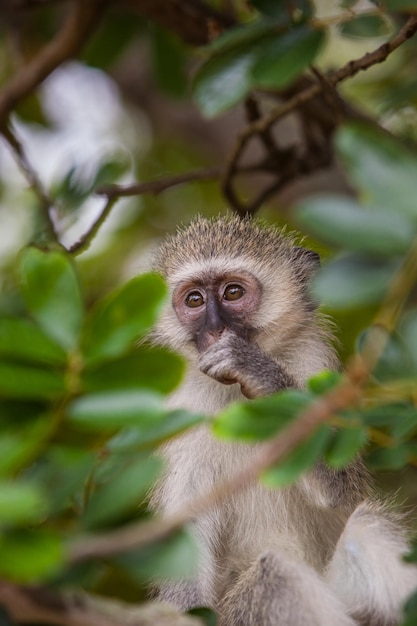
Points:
[(45, 202), (161, 184), (114, 192)]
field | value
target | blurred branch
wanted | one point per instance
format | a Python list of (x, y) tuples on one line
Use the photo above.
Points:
[(191, 20), (161, 184), (45, 202), (290, 168), (114, 192), (39, 604), (346, 394), (82, 19)]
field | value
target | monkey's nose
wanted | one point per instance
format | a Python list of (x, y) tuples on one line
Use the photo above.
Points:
[(207, 338)]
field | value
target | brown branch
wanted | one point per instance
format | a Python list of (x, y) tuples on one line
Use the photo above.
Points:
[(41, 605), (66, 45), (114, 192), (259, 127), (45, 202), (160, 184)]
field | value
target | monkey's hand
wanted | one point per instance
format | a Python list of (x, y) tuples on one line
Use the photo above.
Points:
[(233, 360)]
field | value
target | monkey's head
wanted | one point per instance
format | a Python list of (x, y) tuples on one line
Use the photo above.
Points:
[(236, 275)]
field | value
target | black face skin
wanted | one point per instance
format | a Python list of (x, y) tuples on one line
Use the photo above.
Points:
[(209, 305)]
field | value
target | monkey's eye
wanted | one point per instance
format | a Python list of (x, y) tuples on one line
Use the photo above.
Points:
[(233, 292), (194, 299)]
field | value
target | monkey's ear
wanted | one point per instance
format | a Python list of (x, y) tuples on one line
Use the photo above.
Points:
[(306, 261)]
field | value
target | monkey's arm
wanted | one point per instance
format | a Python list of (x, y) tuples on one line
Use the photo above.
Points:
[(231, 359)]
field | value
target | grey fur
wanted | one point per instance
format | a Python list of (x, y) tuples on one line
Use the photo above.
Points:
[(290, 557)]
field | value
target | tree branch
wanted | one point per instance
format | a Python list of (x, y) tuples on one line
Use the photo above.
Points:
[(66, 45), (41, 605), (114, 192)]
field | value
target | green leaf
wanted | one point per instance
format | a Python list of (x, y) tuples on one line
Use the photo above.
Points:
[(242, 36), (21, 503), (123, 494), (224, 80), (173, 558), (21, 339), (20, 381), (261, 418), (399, 418), (400, 5), (396, 362), (207, 616), (153, 368), (30, 556), (22, 440), (410, 608), (393, 458), (168, 62), (345, 446), (409, 334), (114, 409), (123, 317), (324, 381), (152, 434), (282, 60), (52, 294), (365, 26), (63, 472), (298, 461), (350, 281), (381, 167), (343, 223)]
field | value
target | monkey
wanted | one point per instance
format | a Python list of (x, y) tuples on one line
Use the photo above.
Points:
[(321, 552)]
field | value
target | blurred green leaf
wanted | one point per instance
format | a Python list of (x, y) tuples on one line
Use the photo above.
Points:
[(399, 418), (282, 60), (298, 461), (51, 290), (123, 317), (346, 445), (108, 410), (279, 9), (351, 280), (21, 503), (241, 35), (115, 32), (30, 110), (381, 167), (393, 458), (21, 381), (224, 80), (168, 62), (63, 472), (121, 495), (153, 368), (21, 339), (410, 609), (151, 434), (341, 222), (409, 335), (207, 616), (324, 381), (261, 418), (30, 556), (400, 5), (171, 558), (365, 26)]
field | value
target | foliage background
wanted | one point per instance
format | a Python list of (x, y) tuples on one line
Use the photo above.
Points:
[(99, 93)]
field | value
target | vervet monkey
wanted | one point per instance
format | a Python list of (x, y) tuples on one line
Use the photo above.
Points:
[(318, 553)]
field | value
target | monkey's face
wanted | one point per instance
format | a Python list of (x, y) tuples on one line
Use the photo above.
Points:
[(211, 303)]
